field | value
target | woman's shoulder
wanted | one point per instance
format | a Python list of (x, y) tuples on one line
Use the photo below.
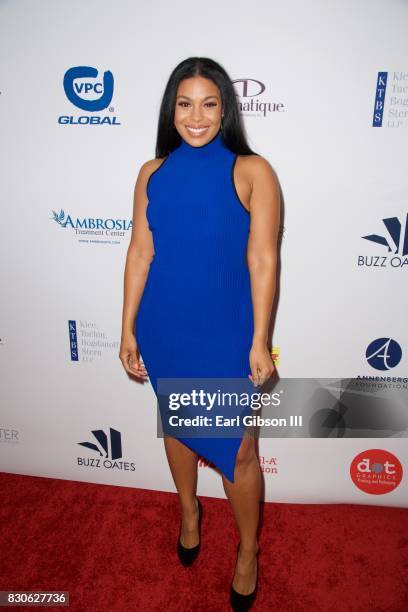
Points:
[(149, 166), (254, 166)]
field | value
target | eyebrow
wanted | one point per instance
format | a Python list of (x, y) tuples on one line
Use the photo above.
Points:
[(206, 98)]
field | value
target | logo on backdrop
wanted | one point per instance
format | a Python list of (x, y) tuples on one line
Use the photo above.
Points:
[(93, 230), (394, 239), (250, 98), (391, 99), (268, 465), (87, 343), (376, 471), (109, 449), (9, 436), (86, 89), (383, 353)]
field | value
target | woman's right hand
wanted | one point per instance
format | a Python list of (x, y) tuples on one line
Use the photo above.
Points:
[(129, 355)]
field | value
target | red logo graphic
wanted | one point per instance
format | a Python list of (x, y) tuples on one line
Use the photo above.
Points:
[(376, 471)]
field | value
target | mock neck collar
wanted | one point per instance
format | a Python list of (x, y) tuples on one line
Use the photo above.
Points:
[(202, 151)]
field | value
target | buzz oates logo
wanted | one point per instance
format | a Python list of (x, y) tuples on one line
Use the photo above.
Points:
[(252, 101), (93, 229), (391, 244), (376, 471), (106, 451)]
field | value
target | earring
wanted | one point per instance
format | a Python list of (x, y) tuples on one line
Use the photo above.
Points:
[(222, 127)]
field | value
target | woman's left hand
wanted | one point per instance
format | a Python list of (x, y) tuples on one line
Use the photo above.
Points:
[(262, 366)]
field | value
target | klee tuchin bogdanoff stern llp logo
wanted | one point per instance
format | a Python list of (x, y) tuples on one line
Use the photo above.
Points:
[(86, 90), (93, 230), (88, 343), (391, 100)]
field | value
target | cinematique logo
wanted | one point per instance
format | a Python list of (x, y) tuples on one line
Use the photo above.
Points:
[(250, 102), (376, 471), (86, 90), (109, 449)]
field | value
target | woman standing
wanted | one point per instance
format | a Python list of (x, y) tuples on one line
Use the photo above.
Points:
[(199, 286)]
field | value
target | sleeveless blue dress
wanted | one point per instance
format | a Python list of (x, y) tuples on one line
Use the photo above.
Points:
[(195, 317)]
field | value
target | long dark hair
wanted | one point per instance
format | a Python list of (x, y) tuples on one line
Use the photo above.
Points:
[(233, 133)]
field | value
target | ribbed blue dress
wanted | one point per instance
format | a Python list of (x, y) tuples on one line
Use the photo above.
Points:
[(195, 318)]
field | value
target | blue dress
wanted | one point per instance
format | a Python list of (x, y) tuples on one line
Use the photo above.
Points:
[(195, 317)]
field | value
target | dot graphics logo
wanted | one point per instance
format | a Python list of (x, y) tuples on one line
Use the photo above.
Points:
[(376, 471)]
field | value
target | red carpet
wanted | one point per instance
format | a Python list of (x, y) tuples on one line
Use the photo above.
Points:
[(113, 549)]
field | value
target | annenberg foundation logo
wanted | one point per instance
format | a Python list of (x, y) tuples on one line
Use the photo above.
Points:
[(394, 239), (109, 449), (376, 471), (251, 102), (86, 90), (93, 230), (390, 100), (383, 353)]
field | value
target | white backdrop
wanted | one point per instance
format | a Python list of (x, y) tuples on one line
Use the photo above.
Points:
[(307, 77)]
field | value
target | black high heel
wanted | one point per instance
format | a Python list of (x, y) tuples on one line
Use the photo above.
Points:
[(188, 555), (240, 602)]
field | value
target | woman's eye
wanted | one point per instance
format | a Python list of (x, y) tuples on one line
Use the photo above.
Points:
[(184, 104)]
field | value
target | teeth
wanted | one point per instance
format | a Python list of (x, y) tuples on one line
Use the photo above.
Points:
[(196, 130)]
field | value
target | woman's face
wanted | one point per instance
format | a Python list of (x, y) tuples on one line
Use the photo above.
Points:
[(198, 105)]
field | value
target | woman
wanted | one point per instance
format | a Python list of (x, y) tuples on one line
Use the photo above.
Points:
[(199, 285)]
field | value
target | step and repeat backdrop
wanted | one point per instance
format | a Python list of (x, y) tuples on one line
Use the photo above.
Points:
[(323, 93)]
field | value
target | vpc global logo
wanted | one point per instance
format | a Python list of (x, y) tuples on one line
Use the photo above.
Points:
[(250, 101), (93, 230), (106, 452), (87, 91), (394, 239)]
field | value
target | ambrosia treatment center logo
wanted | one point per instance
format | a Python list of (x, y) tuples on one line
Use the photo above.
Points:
[(85, 90), (93, 229)]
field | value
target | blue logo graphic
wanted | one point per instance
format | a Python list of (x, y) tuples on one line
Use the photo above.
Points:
[(379, 99), (73, 340), (395, 240), (92, 223), (76, 91), (383, 353), (115, 451)]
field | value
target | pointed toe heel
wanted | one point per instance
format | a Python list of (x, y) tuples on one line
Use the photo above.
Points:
[(188, 555), (240, 602)]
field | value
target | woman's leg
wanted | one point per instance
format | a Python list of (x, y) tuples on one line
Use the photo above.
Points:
[(183, 466), (244, 496)]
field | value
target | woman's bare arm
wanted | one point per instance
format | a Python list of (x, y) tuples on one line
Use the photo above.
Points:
[(262, 255), (139, 256)]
